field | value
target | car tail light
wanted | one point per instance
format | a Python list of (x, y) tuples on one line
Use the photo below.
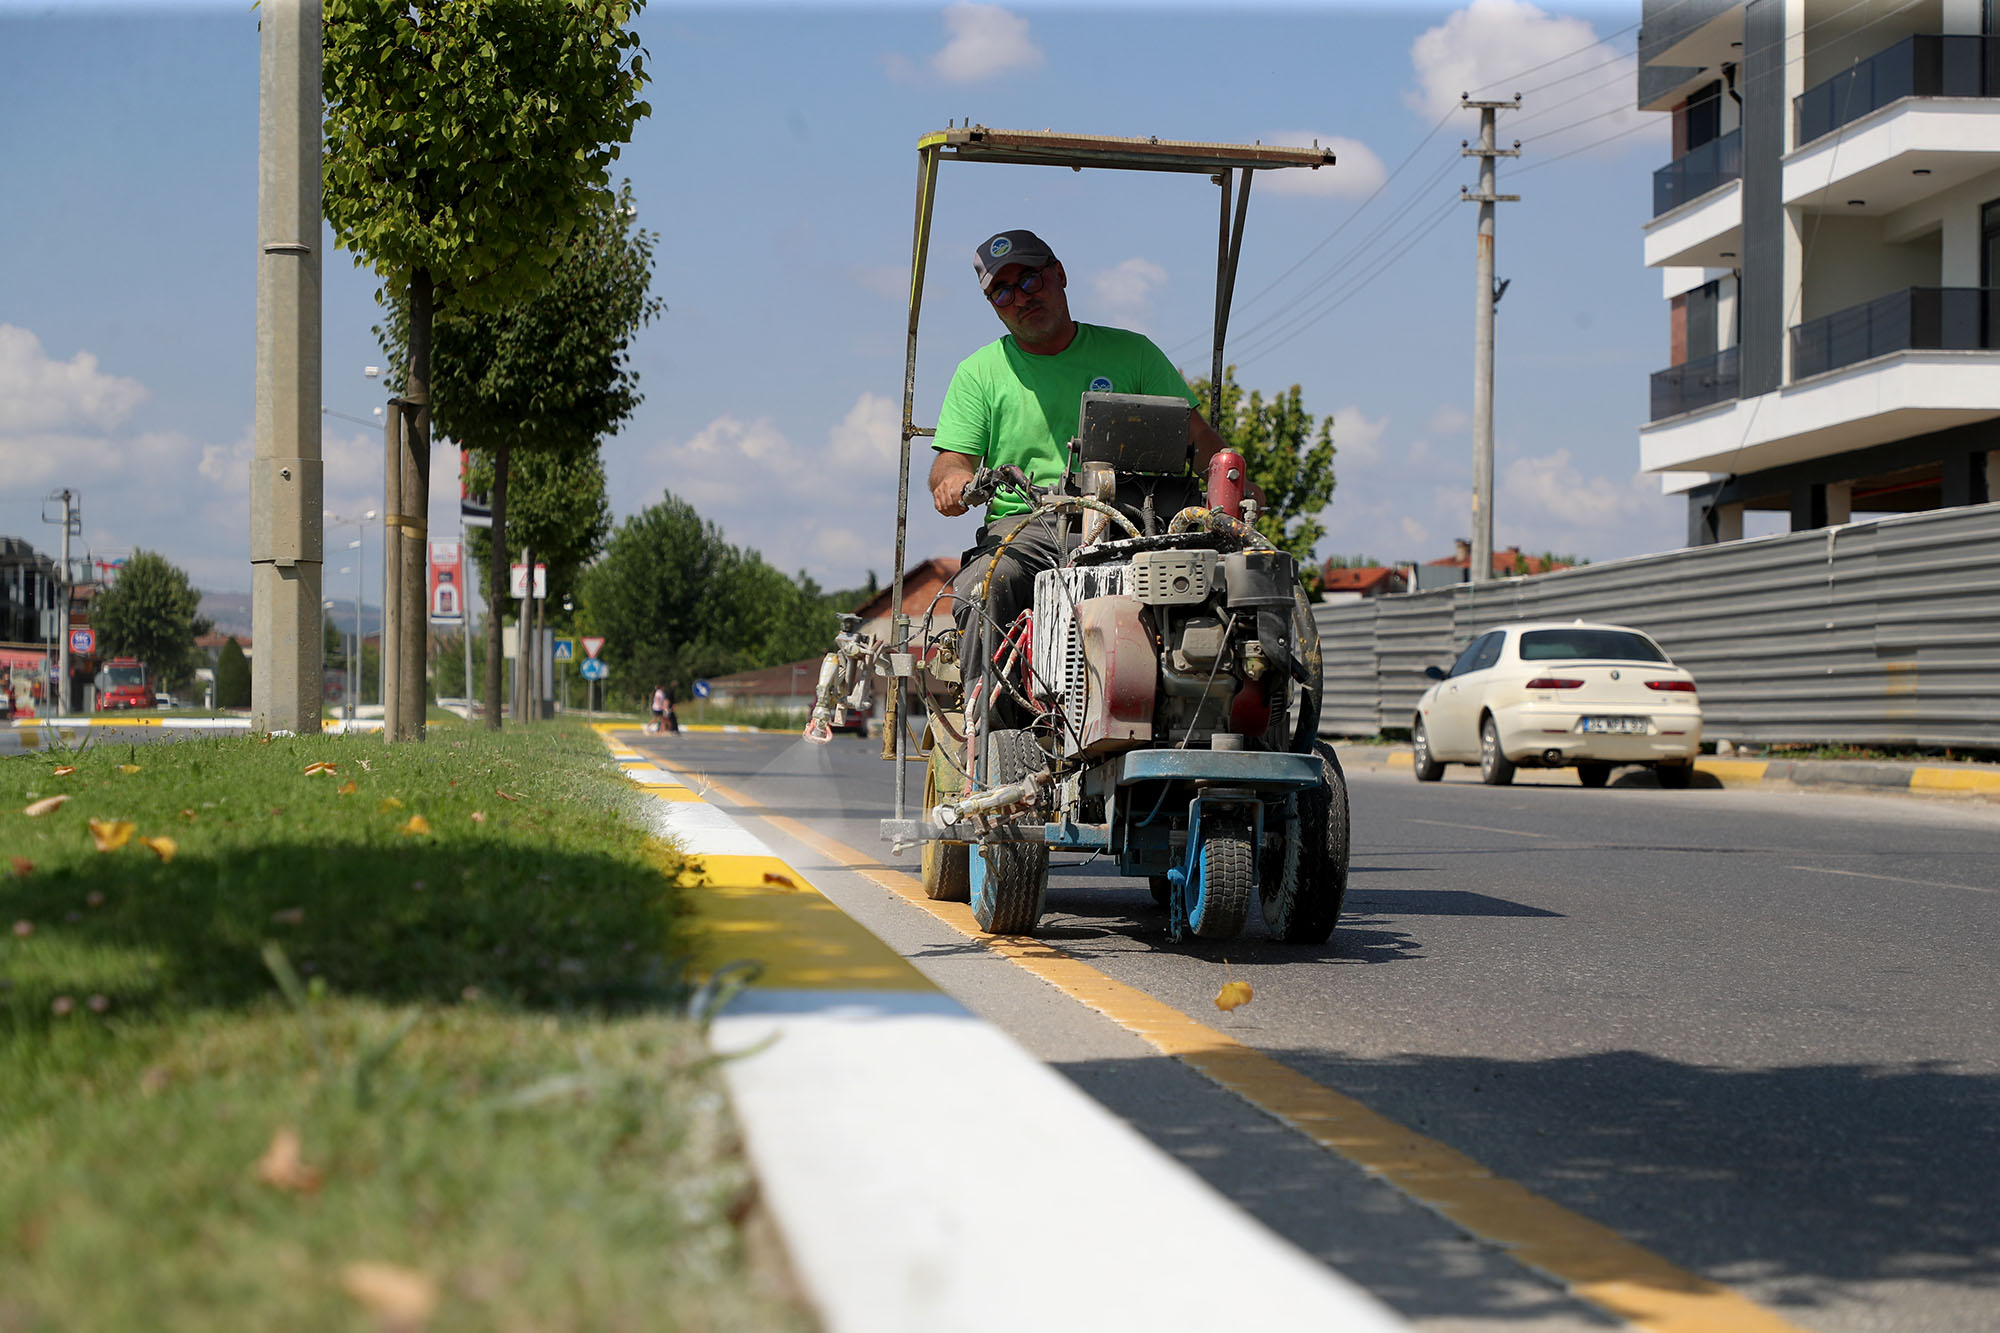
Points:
[(1554, 683), (1680, 686)]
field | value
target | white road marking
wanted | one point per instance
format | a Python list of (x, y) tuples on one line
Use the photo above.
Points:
[(1478, 828), (1896, 879)]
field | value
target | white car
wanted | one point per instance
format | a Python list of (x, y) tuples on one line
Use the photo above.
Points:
[(1556, 694)]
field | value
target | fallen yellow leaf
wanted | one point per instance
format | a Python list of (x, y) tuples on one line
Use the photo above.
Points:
[(479, 816), (65, 770), (416, 826), (349, 787), (128, 768), (111, 834), (503, 795), (282, 1167), (401, 1297), (43, 806), (23, 867), (1233, 995), (319, 766), (188, 815), (387, 804), (162, 846)]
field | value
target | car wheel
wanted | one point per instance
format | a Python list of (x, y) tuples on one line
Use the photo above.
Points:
[(1494, 768), (1674, 777), (1593, 775), (1429, 767)]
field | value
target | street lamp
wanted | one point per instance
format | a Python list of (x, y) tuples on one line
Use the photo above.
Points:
[(353, 698)]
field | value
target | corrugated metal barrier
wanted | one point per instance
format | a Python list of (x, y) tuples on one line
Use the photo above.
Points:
[(1885, 632)]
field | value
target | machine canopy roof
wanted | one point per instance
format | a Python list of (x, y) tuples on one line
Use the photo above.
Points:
[(977, 143)]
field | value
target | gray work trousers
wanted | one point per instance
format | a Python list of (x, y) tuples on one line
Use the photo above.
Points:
[(1042, 546)]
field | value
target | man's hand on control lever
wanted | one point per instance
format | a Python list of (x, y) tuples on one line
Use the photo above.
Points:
[(950, 474)]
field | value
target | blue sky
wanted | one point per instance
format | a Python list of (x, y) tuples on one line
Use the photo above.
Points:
[(779, 165)]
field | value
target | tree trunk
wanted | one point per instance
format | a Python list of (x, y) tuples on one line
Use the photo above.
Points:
[(415, 658), (393, 428), (496, 590)]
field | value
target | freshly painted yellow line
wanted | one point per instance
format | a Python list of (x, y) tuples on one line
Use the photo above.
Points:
[(1592, 1261), (1732, 771), (1954, 779), (675, 793), (1401, 759)]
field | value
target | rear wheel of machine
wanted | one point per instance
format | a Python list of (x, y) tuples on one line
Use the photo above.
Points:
[(1303, 907), (946, 869), (1495, 769), (1009, 880), (1593, 775), (1228, 870)]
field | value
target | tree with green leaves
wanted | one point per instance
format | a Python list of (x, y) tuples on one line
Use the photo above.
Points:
[(232, 676), (1285, 455), (533, 388), (675, 602), (465, 140), (151, 612)]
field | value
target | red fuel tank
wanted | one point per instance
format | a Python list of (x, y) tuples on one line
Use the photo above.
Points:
[(1225, 483)]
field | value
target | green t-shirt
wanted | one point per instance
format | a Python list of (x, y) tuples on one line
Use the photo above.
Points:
[(1006, 406)]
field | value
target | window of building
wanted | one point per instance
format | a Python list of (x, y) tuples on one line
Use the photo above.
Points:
[(1989, 244)]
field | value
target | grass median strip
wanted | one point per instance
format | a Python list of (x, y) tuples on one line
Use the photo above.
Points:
[(331, 1032)]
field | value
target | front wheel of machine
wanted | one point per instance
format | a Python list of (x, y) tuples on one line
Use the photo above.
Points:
[(1009, 881), (1494, 768), (1228, 869), (1302, 904), (946, 868)]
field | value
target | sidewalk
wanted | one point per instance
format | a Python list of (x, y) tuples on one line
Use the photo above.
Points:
[(926, 1172), (1978, 780)]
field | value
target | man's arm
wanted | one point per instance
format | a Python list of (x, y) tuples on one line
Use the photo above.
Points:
[(950, 473)]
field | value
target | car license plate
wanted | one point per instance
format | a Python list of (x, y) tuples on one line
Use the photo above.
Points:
[(1627, 725)]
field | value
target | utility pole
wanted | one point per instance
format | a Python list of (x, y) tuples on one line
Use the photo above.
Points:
[(1484, 299), (72, 525), (286, 537)]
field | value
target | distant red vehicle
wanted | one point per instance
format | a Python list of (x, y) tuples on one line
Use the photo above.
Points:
[(121, 684)]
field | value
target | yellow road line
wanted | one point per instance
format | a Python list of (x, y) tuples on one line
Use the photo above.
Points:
[(1592, 1261), (1733, 770), (1953, 779)]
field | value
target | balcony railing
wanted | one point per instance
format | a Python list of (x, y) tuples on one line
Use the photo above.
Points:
[(1921, 66), (1700, 170), (1693, 384), (1916, 319)]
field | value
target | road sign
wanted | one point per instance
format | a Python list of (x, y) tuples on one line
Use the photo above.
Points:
[(701, 689), (592, 645), (592, 669), (83, 640), (565, 650), (518, 581)]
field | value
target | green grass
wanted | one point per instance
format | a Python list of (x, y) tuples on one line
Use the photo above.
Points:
[(483, 1053)]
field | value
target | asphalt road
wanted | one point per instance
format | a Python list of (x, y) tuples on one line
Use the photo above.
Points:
[(1750, 1031)]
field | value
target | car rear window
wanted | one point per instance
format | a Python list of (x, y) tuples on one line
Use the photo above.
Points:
[(1616, 645)]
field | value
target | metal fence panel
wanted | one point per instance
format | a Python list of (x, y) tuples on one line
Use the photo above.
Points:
[(1886, 632)]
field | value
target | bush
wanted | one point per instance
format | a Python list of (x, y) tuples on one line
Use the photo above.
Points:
[(232, 677)]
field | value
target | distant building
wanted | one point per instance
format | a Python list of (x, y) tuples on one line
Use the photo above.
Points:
[(27, 593), (1456, 567), (1354, 584), (923, 583), (1828, 239)]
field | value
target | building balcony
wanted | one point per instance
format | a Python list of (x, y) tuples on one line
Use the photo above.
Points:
[(1704, 232), (1929, 318), (1689, 177), (1888, 397), (1696, 384), (1919, 66), (1898, 134)]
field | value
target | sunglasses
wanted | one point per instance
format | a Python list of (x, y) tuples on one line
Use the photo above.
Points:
[(1027, 285)]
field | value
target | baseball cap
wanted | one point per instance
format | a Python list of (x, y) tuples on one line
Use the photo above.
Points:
[(1008, 247)]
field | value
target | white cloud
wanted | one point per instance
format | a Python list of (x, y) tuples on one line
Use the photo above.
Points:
[(1576, 79), (1415, 533), (1127, 290), (41, 394), (1552, 490), (1449, 419), (869, 436), (985, 41), (1356, 171), (1357, 439)]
